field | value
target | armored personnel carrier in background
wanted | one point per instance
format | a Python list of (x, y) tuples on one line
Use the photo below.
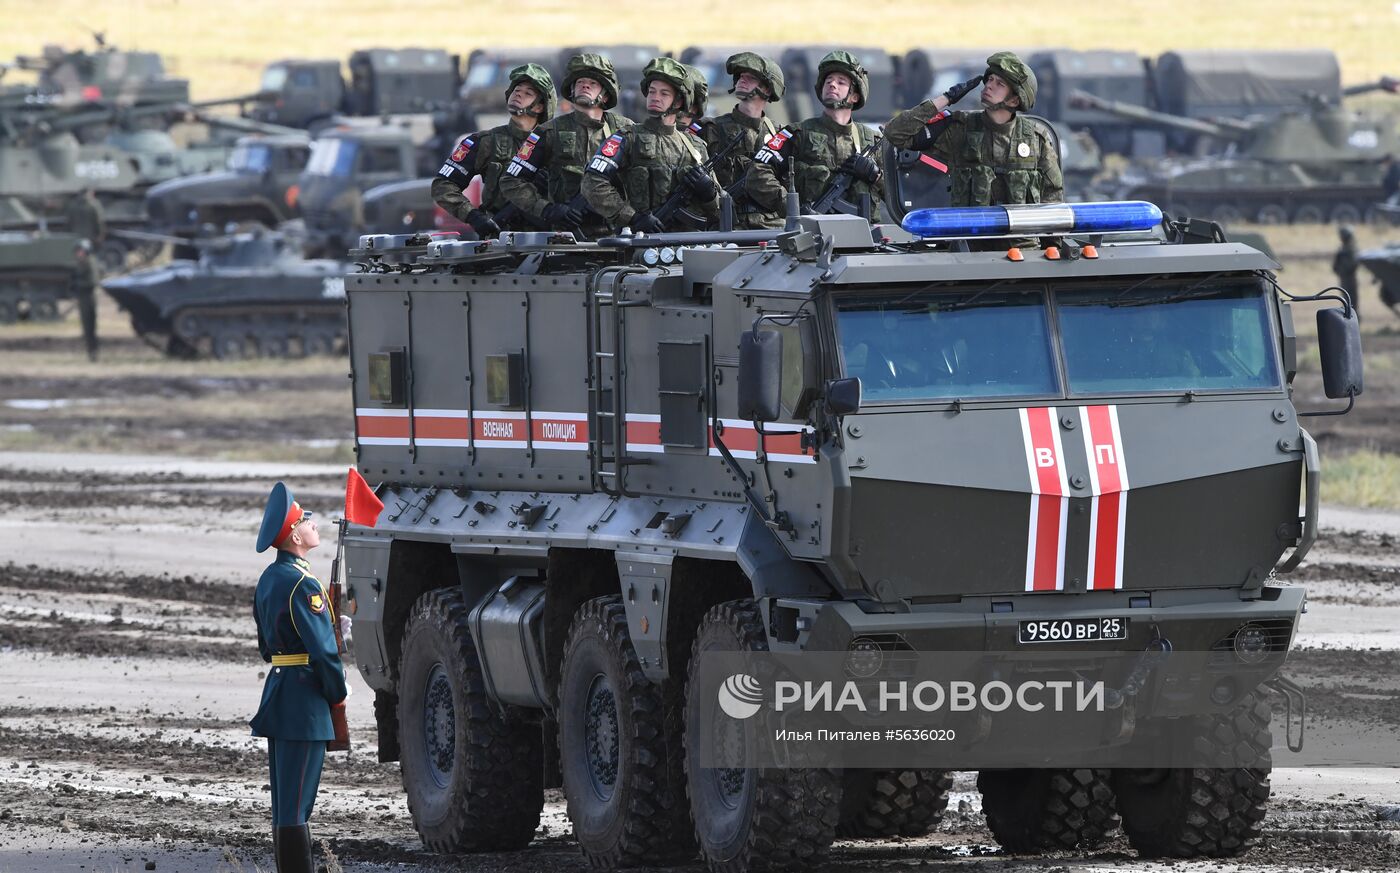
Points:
[(816, 441), (75, 76), (36, 274), (249, 294), (1317, 163)]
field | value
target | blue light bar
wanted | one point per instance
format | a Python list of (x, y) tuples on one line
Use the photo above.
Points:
[(1120, 216)]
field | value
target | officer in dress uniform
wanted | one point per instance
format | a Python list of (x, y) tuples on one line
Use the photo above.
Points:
[(296, 634)]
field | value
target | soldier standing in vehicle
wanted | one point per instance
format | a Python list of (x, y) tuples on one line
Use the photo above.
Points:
[(758, 81), (995, 156), (561, 147), (636, 172), (692, 117), (85, 292), (84, 216), (822, 146), (296, 634), (530, 101)]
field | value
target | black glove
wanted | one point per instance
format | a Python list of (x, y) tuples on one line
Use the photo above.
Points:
[(700, 184), (645, 222), (558, 215), (861, 167), (958, 92), (484, 225)]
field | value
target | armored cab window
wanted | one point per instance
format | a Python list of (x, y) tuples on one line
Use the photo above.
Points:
[(505, 380), (681, 375), (1168, 337), (960, 344), (387, 377), (800, 377)]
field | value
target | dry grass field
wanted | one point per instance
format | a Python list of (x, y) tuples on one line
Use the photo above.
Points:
[(221, 45)]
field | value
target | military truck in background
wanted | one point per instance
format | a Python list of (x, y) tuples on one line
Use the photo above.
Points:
[(1113, 75), (810, 441), (259, 185), (383, 83), (345, 163)]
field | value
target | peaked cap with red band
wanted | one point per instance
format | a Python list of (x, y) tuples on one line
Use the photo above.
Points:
[(281, 514)]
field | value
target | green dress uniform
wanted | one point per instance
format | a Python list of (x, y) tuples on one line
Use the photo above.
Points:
[(296, 634)]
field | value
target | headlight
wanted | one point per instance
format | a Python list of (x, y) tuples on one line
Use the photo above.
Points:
[(1252, 644), (864, 658)]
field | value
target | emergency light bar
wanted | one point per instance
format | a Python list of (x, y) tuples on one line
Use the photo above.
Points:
[(1119, 216)]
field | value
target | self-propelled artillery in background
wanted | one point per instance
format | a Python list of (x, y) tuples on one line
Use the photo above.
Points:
[(1317, 163)]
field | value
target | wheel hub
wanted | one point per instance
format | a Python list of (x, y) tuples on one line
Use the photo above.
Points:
[(729, 746), (439, 725), (600, 736)]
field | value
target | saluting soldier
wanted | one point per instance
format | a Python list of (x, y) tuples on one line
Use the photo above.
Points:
[(530, 101), (296, 634), (561, 147), (823, 145), (995, 156), (635, 172), (758, 81)]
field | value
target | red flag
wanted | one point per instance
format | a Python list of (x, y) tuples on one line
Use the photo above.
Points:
[(361, 506)]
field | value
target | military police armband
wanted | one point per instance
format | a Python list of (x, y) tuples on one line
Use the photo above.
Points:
[(772, 151), (604, 163)]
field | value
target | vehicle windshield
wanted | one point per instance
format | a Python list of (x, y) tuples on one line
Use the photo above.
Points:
[(250, 158), (1182, 337), (332, 157), (273, 78), (480, 76), (942, 346)]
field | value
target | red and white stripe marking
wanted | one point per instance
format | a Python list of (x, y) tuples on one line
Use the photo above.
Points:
[(1108, 513), (561, 431), (1045, 553)]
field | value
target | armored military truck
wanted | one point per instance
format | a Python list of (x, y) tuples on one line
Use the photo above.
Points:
[(601, 463)]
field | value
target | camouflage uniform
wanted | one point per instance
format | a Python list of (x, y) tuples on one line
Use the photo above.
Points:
[(720, 132), (561, 147), (83, 214), (988, 164), (637, 170), (818, 146), (1345, 263), (488, 154), (84, 286)]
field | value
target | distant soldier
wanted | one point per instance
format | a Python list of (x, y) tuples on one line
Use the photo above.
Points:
[(1390, 180), (1344, 264), (636, 172), (85, 280), (996, 156), (758, 81), (561, 148), (823, 146), (296, 634), (84, 215), (530, 100)]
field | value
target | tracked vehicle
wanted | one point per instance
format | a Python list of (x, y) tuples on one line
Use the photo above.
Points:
[(602, 462), (36, 274)]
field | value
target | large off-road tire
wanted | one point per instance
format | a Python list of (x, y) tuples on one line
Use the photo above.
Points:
[(752, 819), (1203, 811), (1037, 810), (474, 780), (892, 803), (620, 749)]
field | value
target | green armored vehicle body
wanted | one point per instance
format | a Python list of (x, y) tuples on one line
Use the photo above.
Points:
[(36, 274), (604, 463)]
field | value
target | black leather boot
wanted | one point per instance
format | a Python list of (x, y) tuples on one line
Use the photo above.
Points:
[(293, 848)]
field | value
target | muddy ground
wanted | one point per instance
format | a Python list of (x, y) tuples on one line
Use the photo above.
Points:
[(127, 684)]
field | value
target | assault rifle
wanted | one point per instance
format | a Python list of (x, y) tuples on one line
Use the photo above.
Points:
[(833, 199), (675, 204)]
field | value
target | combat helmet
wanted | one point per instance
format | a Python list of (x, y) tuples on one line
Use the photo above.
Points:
[(591, 66), (542, 82), (1017, 74), (844, 62), (765, 69), (673, 73), (699, 91)]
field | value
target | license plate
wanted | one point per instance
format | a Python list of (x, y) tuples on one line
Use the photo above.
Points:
[(1073, 630)]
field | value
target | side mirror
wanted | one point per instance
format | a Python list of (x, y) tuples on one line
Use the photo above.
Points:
[(760, 375), (1339, 345), (843, 396)]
